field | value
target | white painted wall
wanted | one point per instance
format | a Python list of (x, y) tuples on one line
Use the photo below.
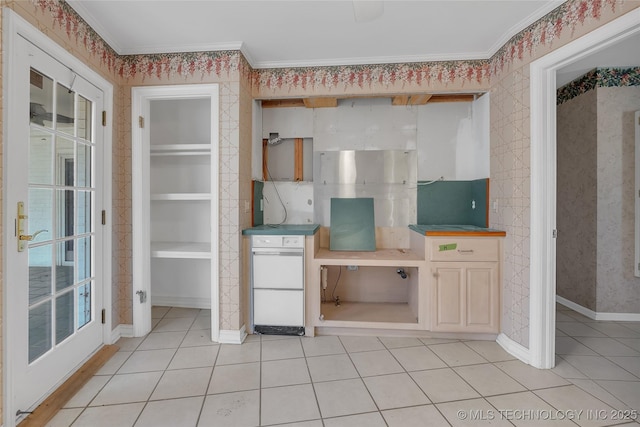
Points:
[(297, 199), (288, 122), (365, 124), (451, 140)]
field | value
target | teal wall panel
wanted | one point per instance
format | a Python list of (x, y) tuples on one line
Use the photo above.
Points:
[(451, 202), (258, 214)]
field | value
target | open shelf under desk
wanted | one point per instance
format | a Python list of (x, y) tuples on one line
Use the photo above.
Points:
[(377, 258), (367, 315), (186, 250)]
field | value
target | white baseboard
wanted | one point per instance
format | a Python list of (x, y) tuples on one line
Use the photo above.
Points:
[(621, 317), (182, 302), (121, 331), (513, 348), (227, 336)]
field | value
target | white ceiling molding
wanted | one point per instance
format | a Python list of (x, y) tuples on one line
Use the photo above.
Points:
[(377, 60), (524, 23), (204, 47), (96, 25)]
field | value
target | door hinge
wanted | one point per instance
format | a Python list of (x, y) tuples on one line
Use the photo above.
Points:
[(104, 118), (141, 121), (554, 234), (142, 295), (104, 316), (104, 217)]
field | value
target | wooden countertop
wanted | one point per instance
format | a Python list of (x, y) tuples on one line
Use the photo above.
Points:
[(456, 230)]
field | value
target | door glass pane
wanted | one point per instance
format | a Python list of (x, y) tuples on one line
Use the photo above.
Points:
[(84, 258), (40, 212), (39, 330), (84, 118), (84, 304), (40, 157), (64, 161), (84, 165), (64, 266), (41, 99), (83, 217), (64, 316), (64, 202), (40, 273), (65, 110)]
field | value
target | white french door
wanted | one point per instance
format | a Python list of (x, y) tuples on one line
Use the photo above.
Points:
[(54, 241)]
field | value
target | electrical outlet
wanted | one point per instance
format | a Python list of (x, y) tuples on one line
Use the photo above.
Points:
[(352, 268), (247, 206)]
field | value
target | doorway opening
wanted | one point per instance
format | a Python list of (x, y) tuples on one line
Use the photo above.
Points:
[(542, 291)]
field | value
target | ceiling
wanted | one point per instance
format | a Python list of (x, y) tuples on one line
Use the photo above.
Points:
[(275, 33)]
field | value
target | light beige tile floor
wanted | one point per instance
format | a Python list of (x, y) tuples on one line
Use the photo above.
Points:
[(177, 377)]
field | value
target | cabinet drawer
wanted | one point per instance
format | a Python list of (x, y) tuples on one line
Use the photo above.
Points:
[(278, 308), (461, 249)]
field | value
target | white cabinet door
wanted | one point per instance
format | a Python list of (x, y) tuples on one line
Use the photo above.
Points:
[(278, 270), (465, 297), (278, 307)]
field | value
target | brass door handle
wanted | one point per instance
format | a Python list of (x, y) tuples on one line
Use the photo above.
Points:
[(21, 226), (30, 237)]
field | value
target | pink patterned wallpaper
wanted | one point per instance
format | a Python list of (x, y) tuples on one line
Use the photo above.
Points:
[(566, 17)]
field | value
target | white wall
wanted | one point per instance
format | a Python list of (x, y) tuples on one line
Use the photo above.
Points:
[(451, 140), (365, 124)]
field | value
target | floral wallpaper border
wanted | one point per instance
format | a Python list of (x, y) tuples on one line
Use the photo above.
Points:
[(599, 77), (541, 33)]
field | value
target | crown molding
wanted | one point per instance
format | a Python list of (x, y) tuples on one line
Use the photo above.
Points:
[(95, 24), (531, 19), (377, 60), (191, 48)]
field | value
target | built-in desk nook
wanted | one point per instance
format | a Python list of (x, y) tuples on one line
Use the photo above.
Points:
[(442, 279)]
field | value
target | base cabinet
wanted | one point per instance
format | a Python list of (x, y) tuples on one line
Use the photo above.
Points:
[(451, 284), (465, 297)]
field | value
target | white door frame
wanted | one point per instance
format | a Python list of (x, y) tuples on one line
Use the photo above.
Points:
[(542, 279), (14, 26), (140, 97)]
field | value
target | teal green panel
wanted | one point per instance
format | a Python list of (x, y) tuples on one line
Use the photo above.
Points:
[(258, 214), (450, 202), (479, 194), (352, 225)]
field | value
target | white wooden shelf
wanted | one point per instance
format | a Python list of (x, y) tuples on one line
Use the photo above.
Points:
[(187, 250), (181, 196), (180, 149), (377, 258)]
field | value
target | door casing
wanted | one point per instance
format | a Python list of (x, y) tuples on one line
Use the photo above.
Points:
[(542, 289), (140, 136)]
